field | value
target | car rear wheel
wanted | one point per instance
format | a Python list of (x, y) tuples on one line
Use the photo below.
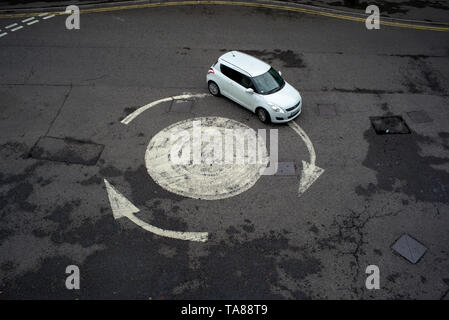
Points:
[(213, 88), (263, 115)]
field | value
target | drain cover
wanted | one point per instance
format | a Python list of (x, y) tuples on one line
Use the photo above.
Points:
[(389, 125), (184, 106), (286, 169), (67, 150), (409, 248)]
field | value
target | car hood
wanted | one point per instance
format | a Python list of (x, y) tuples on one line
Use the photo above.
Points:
[(285, 98)]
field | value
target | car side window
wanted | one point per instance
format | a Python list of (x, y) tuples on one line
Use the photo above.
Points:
[(246, 82), (226, 71), (238, 77)]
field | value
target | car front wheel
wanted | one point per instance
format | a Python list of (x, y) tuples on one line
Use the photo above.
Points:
[(263, 115)]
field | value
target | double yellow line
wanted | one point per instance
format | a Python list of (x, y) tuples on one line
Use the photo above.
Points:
[(238, 3)]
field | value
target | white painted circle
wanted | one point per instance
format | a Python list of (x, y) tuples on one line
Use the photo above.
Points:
[(207, 181)]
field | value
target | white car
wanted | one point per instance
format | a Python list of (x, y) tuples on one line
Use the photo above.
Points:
[(255, 85)]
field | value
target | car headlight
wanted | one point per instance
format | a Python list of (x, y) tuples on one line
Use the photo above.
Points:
[(276, 108)]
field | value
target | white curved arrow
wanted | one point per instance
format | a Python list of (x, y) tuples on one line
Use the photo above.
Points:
[(122, 207), (310, 172), (135, 113)]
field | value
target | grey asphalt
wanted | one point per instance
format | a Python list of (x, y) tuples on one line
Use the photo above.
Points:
[(264, 243)]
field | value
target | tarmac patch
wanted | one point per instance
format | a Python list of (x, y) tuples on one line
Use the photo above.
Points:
[(183, 106), (390, 125), (419, 116), (67, 150), (289, 58)]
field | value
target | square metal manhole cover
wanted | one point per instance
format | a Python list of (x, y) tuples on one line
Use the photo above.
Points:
[(181, 106), (390, 125), (286, 169), (409, 248), (67, 150), (419, 116), (327, 110)]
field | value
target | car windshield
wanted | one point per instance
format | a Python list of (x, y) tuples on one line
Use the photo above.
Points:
[(269, 82)]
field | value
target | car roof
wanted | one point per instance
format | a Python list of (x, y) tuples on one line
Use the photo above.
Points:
[(251, 65)]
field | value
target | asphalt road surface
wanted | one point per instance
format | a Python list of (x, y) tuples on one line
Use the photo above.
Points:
[(64, 93)]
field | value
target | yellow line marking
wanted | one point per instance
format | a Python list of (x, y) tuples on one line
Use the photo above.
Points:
[(235, 3), (48, 16)]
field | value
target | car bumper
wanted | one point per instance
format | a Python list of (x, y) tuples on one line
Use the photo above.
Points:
[(277, 117)]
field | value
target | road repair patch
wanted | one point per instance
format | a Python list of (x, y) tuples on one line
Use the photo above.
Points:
[(183, 106), (67, 150), (390, 125), (419, 116)]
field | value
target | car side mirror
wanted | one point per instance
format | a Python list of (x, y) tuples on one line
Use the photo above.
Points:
[(249, 90)]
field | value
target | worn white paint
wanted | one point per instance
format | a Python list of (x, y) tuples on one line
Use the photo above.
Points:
[(310, 172), (28, 19), (122, 207), (11, 26), (136, 113), (17, 28), (202, 179)]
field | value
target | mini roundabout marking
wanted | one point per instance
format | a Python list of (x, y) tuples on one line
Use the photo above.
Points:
[(205, 181)]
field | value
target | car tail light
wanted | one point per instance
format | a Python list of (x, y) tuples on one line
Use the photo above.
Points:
[(211, 70)]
